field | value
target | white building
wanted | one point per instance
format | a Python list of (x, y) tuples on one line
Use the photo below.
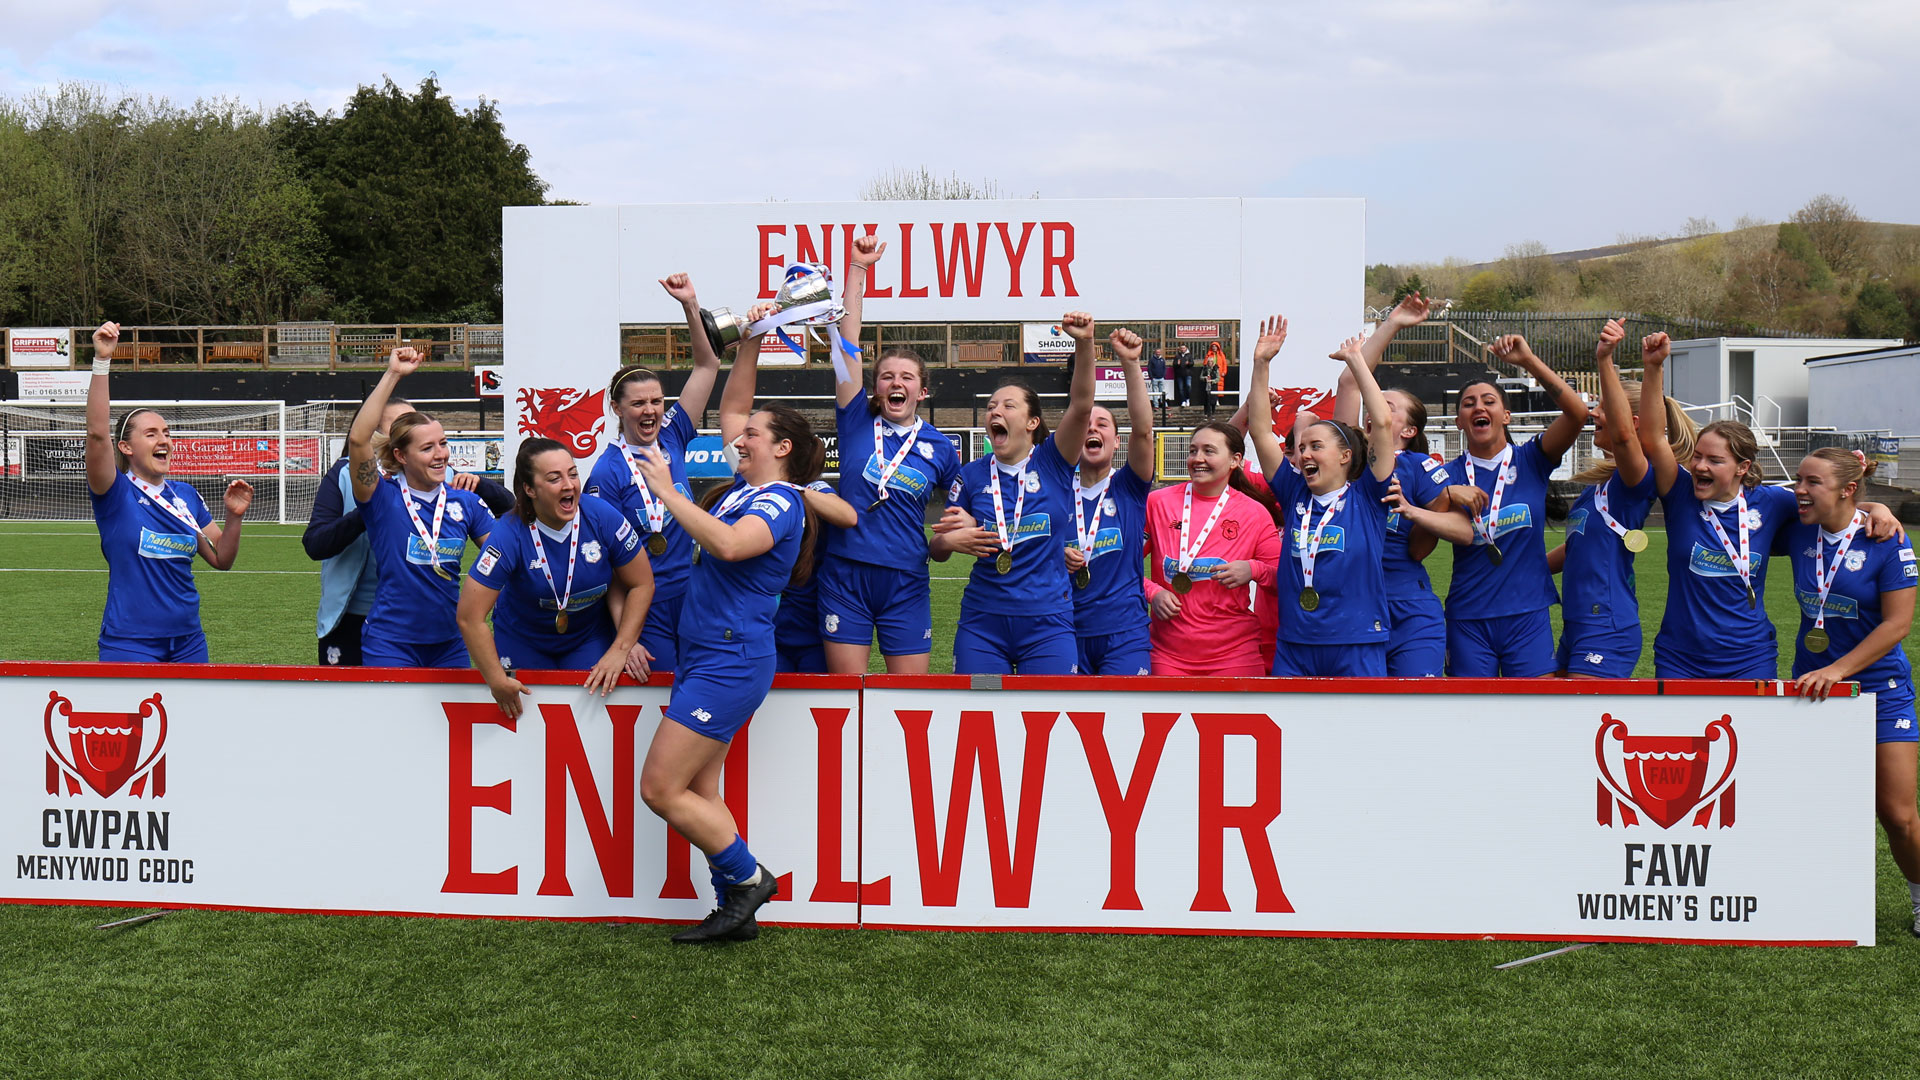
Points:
[(1758, 381), (1876, 390)]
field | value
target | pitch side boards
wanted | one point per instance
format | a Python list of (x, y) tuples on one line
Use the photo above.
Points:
[(1708, 813)]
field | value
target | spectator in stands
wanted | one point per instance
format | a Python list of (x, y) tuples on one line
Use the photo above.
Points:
[(336, 538), (1157, 376), (1183, 377)]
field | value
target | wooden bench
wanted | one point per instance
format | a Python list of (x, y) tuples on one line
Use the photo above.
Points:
[(980, 353), (251, 352)]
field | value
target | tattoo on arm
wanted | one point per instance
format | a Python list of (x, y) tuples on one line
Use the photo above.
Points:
[(365, 473)]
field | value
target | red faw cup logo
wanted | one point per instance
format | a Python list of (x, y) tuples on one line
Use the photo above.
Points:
[(572, 418), (104, 749), (1667, 776)]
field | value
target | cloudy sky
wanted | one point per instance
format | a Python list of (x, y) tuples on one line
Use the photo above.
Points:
[(1466, 124)]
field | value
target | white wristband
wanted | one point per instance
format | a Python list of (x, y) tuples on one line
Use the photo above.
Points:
[(102, 364)]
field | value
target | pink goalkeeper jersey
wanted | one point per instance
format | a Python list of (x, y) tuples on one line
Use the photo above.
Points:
[(1216, 629)]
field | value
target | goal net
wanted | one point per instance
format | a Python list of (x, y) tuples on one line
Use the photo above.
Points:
[(282, 450)]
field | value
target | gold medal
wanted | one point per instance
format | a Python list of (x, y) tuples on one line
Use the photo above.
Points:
[(1635, 540), (1082, 577), (1752, 600), (1183, 583), (874, 505), (656, 544), (1817, 640), (1004, 563), (1309, 598), (1494, 555), (560, 623), (445, 574)]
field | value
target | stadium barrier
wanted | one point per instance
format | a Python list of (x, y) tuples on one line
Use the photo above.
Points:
[(1710, 812)]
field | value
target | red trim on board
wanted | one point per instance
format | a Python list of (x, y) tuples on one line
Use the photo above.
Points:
[(1173, 931), (635, 919), (88, 669), (1508, 687)]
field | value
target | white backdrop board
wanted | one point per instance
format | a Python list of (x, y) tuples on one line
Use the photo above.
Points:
[(1529, 809), (573, 275)]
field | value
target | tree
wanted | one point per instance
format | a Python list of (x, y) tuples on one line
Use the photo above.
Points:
[(1835, 231), (1488, 290), (39, 231), (1798, 246), (921, 184), (1528, 268), (1878, 313), (1412, 285), (410, 189)]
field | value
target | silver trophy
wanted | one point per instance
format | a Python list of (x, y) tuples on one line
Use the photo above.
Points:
[(723, 328), (805, 298)]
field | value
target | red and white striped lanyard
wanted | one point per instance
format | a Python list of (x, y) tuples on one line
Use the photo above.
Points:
[(1821, 577), (656, 510), (1310, 550), (160, 499), (540, 558), (892, 465), (1486, 524), (1190, 552), (1600, 504), (1088, 533), (1742, 559), (1019, 502), (432, 539)]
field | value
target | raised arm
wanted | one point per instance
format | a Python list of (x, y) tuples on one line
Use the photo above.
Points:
[(866, 251), (360, 457), (831, 508), (1128, 347), (1273, 334), (1381, 439), (743, 539), (736, 400), (100, 470), (1071, 435), (1410, 311), (1653, 412), (1560, 434), (706, 363), (1628, 457)]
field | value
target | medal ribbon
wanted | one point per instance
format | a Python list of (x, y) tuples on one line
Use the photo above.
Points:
[(656, 510), (1188, 554), (736, 497), (439, 508), (879, 447), (1485, 525), (1310, 550), (1088, 533), (1019, 501), (1742, 559), (540, 559), (160, 499), (1600, 504), (1821, 577)]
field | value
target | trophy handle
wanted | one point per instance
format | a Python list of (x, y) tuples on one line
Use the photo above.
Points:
[(148, 708), (1618, 728), (1724, 724), (57, 703)]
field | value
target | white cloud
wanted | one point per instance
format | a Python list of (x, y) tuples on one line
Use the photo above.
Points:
[(1468, 124)]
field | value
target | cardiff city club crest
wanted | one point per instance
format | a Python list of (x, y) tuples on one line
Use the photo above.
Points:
[(104, 749), (572, 418), (1667, 776)]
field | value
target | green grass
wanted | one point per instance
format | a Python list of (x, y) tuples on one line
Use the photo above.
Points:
[(223, 994)]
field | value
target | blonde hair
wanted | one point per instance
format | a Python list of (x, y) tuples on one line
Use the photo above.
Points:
[(399, 434), (1681, 435)]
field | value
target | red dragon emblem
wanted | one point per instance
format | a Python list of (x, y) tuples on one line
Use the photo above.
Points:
[(1290, 401), (572, 418)]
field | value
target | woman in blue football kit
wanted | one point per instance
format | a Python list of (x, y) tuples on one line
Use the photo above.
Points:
[(1333, 589), (1856, 609), (1112, 629), (755, 542), (565, 579), (1010, 511), (644, 419), (150, 528), (1721, 523), (1501, 589), (1417, 642), (798, 646), (417, 527), (874, 580), (1600, 635)]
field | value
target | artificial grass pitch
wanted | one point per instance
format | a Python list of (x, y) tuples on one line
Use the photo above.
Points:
[(199, 994)]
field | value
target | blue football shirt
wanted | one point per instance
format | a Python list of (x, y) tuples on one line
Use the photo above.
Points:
[(1422, 480), (730, 605), (1709, 626), (1038, 583), (1520, 584), (1115, 597), (528, 603), (613, 479), (412, 604), (1347, 567), (1596, 581), (894, 532), (149, 552), (1870, 569)]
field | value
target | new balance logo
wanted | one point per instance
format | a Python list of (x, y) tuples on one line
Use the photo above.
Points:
[(702, 715)]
